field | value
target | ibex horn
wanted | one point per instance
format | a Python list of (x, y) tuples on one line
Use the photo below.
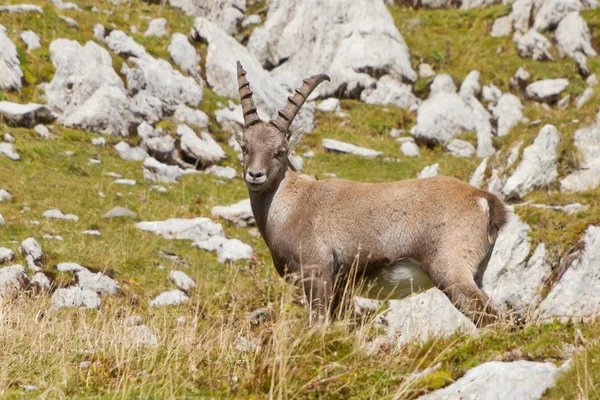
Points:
[(248, 107), (286, 116)]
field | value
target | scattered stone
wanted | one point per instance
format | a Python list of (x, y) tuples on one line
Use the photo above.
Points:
[(224, 13), (592, 80), (502, 26), (460, 148), (195, 229), (509, 112), (390, 91), (41, 282), (99, 32), (424, 316), (157, 27), (586, 96), (222, 172), (6, 255), (127, 152), (547, 90), (70, 21), (329, 105), (158, 172), (170, 298), (227, 249), (581, 61), (5, 195), (119, 212), (20, 8), (573, 35), (430, 171), (240, 214), (65, 6), (410, 149), (551, 12), (91, 232), (426, 71), (343, 147), (491, 93), (575, 294), (70, 267), (42, 131), (587, 141), (520, 78), (479, 174), (97, 102), (569, 208), (182, 280), (10, 65), (75, 297), (501, 380), (8, 138), (538, 166), (185, 115), (31, 39), (30, 247), (534, 45), (443, 83), (253, 19), (57, 214), (128, 182), (97, 282), (25, 115), (185, 56), (13, 280), (204, 149), (99, 141)]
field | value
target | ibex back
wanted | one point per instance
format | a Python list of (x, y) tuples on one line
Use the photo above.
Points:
[(409, 235)]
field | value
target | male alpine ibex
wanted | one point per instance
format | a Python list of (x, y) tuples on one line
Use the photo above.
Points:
[(411, 234)]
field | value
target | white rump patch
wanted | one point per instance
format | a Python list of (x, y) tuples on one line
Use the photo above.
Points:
[(483, 203)]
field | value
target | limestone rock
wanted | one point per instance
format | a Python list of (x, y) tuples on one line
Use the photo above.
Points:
[(30, 247), (119, 212), (87, 90), (204, 149), (13, 280), (343, 147), (25, 115), (410, 149), (31, 39), (185, 56), (20, 8), (551, 12), (329, 105), (186, 115), (441, 117), (158, 172), (502, 26), (224, 13), (461, 148), (424, 316), (5, 195), (368, 40), (509, 112), (547, 90), (534, 45), (129, 153), (430, 171), (390, 91), (182, 280), (587, 141), (479, 174), (227, 249), (10, 65), (501, 380), (240, 213), (6, 255), (195, 229), (538, 166), (426, 71), (75, 297), (57, 214), (170, 298), (157, 27), (575, 296), (573, 35)]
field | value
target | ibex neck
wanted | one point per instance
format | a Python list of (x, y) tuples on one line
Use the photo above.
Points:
[(263, 203)]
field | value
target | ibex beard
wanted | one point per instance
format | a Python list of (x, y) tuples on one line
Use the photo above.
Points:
[(414, 234)]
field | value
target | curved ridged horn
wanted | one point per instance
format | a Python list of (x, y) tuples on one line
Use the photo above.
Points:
[(248, 107), (286, 116)]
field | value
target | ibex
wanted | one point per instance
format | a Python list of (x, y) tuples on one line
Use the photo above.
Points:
[(412, 234)]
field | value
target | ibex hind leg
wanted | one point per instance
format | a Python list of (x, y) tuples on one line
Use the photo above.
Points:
[(456, 280), (317, 282)]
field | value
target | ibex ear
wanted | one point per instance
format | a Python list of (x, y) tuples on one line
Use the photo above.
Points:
[(294, 139), (238, 132)]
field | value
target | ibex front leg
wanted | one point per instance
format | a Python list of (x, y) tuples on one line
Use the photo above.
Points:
[(318, 288)]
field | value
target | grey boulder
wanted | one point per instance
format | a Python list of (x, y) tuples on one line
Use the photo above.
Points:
[(240, 213), (25, 115), (587, 176)]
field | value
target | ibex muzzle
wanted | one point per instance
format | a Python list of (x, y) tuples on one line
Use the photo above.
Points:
[(407, 235)]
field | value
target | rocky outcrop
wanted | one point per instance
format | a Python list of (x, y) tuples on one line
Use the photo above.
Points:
[(575, 295), (343, 147), (587, 176), (25, 115), (240, 213), (537, 169), (365, 46), (226, 14), (86, 90), (10, 65)]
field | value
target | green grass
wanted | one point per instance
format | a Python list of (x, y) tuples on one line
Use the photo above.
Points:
[(198, 358)]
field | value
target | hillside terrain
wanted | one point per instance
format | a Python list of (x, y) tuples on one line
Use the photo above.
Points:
[(130, 265)]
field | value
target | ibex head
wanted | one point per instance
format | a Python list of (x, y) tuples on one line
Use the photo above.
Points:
[(266, 145)]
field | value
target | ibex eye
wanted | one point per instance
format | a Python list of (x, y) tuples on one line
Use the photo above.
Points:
[(281, 152)]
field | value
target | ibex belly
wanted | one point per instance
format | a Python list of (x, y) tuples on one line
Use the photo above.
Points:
[(396, 281)]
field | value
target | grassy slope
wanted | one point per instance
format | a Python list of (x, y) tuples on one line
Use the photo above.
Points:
[(44, 348)]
